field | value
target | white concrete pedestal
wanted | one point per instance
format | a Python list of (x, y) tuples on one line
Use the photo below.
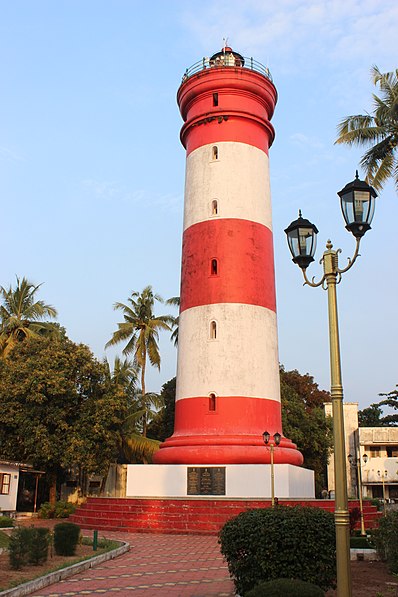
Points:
[(241, 481)]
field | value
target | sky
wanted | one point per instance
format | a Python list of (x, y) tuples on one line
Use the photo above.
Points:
[(92, 169)]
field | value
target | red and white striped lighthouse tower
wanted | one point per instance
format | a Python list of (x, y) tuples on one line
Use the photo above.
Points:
[(228, 390)]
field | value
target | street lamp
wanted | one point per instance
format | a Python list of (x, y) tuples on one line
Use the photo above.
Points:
[(277, 440), (356, 463), (357, 204), (383, 476)]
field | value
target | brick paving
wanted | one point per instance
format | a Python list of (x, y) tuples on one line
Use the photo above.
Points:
[(156, 565)]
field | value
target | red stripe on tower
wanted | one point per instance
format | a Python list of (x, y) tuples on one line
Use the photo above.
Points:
[(228, 372)]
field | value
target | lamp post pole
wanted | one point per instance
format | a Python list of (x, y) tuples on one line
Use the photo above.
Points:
[(383, 474), (276, 442), (341, 514), (357, 461), (357, 203)]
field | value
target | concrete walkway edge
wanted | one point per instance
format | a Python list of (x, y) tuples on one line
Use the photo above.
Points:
[(44, 581)]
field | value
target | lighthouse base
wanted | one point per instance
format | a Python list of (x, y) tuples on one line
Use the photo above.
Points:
[(241, 481)]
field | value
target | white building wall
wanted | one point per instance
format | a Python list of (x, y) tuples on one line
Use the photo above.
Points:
[(9, 502)]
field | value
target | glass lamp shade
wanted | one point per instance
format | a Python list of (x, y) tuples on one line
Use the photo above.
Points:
[(266, 437), (357, 201), (277, 438), (301, 238), (365, 458)]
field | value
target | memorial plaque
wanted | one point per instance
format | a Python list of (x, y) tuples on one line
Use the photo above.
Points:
[(206, 480)]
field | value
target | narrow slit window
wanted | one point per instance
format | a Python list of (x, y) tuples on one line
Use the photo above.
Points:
[(215, 99), (212, 402), (213, 330), (214, 207), (215, 152), (214, 267)]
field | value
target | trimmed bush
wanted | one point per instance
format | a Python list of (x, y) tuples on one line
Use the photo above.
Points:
[(19, 548), (38, 546), (385, 540), (61, 509), (270, 543), (6, 522), (66, 537), (286, 587), (28, 546)]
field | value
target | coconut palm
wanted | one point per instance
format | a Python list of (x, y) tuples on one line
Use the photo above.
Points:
[(140, 329), (379, 131), (21, 315), (133, 445), (175, 301)]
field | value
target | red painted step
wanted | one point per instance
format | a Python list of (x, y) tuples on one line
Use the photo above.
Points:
[(192, 516)]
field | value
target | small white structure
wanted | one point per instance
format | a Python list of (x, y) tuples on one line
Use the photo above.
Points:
[(9, 478), (241, 481)]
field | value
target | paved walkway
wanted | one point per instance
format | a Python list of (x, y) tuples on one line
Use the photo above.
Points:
[(156, 565)]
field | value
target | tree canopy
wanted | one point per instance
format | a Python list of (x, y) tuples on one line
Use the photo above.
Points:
[(59, 408), (378, 131), (390, 400)]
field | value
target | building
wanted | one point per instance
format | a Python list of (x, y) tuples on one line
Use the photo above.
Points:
[(377, 449)]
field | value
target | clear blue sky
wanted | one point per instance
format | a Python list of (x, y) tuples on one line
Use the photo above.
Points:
[(92, 170)]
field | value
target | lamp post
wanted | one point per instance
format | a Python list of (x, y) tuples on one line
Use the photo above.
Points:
[(383, 475), (357, 204), (277, 440), (356, 462)]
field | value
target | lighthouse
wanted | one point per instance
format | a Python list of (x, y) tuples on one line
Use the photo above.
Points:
[(228, 389)]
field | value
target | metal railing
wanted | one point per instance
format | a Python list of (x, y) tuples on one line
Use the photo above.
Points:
[(227, 61)]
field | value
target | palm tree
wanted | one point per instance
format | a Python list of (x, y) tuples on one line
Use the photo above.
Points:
[(21, 315), (140, 329), (133, 445), (379, 131), (175, 301)]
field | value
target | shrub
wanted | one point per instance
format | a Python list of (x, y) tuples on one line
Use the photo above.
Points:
[(38, 546), (376, 502), (61, 509), (28, 546), (286, 587), (64, 509), (385, 540), (6, 522), (66, 537), (19, 548), (46, 510), (266, 544)]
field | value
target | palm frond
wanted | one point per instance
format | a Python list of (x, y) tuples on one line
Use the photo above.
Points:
[(137, 447)]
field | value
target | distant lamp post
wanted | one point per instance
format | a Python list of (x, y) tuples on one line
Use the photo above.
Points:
[(356, 463), (276, 441), (357, 204), (383, 475)]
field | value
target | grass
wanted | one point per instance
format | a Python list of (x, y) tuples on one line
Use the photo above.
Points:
[(3, 539)]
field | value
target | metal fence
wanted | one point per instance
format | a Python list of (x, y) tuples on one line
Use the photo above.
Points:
[(227, 61)]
